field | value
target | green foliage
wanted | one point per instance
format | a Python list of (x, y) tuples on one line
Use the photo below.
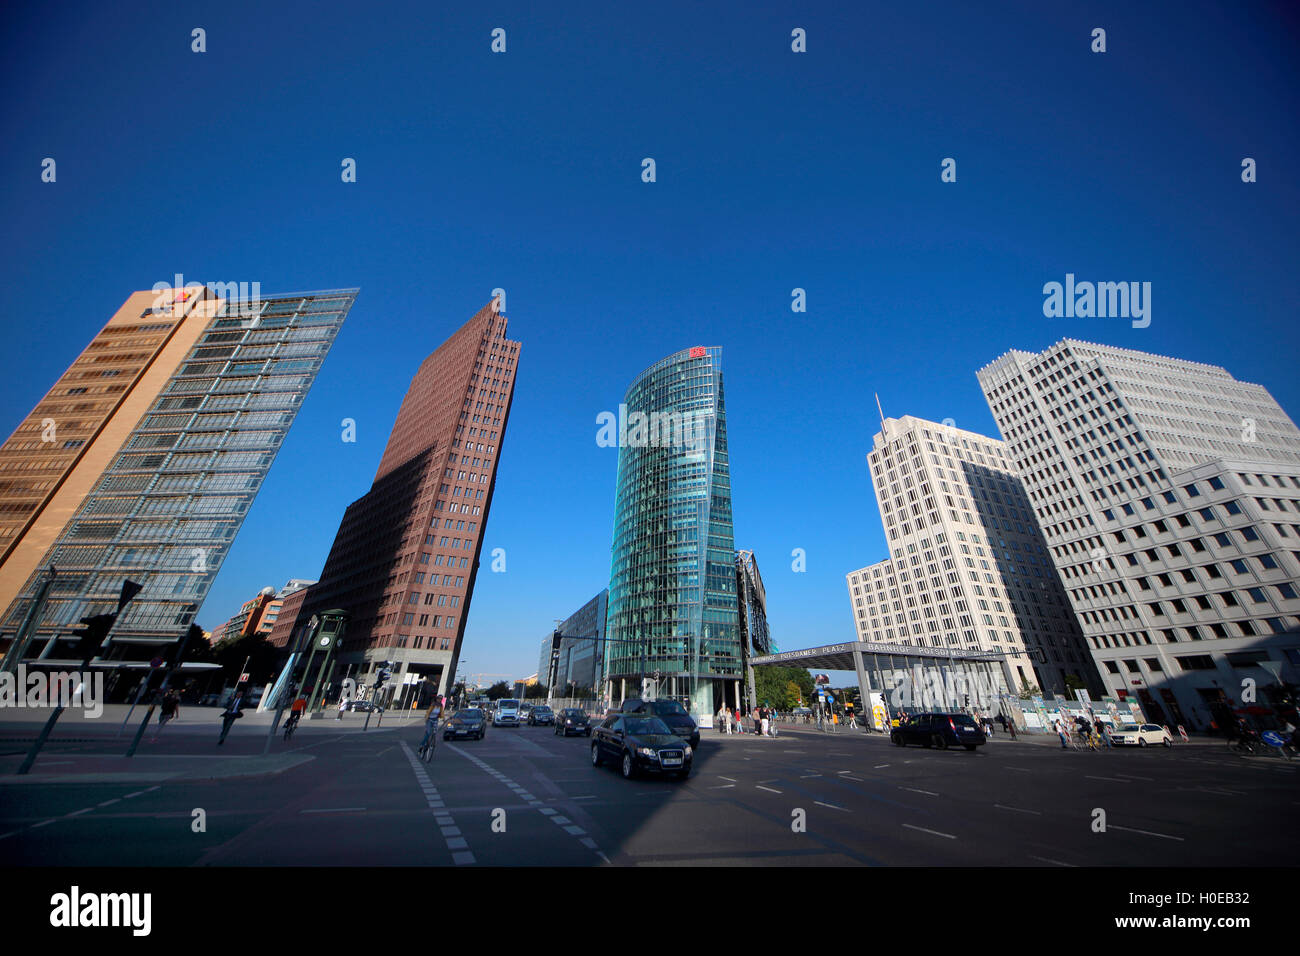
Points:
[(260, 653), (498, 690), (1075, 682), (781, 687), (1028, 690), (535, 691)]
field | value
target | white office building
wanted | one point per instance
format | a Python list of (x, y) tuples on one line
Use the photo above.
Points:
[(969, 570), (1169, 495)]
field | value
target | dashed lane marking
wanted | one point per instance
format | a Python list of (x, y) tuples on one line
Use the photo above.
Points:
[(460, 852), (946, 836)]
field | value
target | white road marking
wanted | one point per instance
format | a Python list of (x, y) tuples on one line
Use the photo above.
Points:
[(1022, 770), (723, 786), (1053, 862), (721, 777), (1037, 813), (928, 793), (1127, 776), (334, 810), (768, 789), (461, 855), (879, 765), (946, 836), (1109, 779), (1163, 836), (832, 806)]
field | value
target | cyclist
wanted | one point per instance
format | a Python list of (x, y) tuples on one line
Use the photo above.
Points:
[(430, 727)]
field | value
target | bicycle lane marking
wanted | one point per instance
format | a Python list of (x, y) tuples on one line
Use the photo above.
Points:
[(460, 852), (563, 822)]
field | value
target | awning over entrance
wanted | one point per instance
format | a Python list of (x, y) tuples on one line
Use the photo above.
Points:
[(839, 657)]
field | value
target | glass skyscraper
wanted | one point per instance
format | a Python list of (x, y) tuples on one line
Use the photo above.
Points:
[(673, 612), (171, 469)]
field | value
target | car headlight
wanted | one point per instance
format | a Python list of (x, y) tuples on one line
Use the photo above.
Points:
[(688, 750), (569, 723), (647, 752)]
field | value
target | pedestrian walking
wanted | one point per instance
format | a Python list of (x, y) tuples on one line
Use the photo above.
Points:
[(1002, 721), (171, 707), (723, 724), (1011, 727), (763, 720), (1061, 732), (1101, 731), (233, 711), (740, 727), (343, 705)]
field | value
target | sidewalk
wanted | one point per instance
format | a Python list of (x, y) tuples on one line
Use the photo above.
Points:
[(57, 767)]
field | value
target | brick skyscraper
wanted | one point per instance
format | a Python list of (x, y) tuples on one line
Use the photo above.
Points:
[(406, 554)]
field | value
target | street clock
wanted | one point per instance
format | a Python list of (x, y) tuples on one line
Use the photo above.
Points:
[(324, 642)]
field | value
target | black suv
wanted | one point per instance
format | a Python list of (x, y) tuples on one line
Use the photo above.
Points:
[(641, 743), (941, 731), (670, 712), (573, 720)]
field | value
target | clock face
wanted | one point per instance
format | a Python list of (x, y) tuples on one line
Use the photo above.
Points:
[(324, 641)]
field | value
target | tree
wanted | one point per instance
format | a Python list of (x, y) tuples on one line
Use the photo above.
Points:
[(771, 684), (534, 691), (498, 690), (1028, 690), (1075, 682), (256, 649)]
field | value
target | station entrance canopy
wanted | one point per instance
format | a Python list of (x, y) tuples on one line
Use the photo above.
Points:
[(909, 678)]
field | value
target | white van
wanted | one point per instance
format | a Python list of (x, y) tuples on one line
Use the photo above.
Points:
[(506, 713)]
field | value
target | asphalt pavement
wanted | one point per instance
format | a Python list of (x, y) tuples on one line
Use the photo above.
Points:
[(335, 794)]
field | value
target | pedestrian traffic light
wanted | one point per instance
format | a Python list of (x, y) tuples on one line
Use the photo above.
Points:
[(91, 637)]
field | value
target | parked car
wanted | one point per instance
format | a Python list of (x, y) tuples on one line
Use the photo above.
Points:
[(361, 706), (673, 714), (940, 730), (641, 743), (506, 713), (1140, 735), (541, 715), (573, 720), (470, 723)]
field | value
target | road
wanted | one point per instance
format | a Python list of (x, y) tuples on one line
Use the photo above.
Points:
[(526, 797)]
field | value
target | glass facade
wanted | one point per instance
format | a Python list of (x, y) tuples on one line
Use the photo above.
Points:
[(673, 609), (166, 510)]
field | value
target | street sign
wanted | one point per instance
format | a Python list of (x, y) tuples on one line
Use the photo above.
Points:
[(243, 678), (156, 662)]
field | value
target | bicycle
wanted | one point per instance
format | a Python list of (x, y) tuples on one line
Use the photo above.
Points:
[(1242, 745), (291, 724)]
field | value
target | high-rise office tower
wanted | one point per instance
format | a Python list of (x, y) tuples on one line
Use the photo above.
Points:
[(755, 636), (574, 666), (673, 610), (406, 554), (1169, 494), (968, 567), (143, 459)]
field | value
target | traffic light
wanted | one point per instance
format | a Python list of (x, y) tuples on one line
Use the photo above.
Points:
[(91, 637), (383, 674)]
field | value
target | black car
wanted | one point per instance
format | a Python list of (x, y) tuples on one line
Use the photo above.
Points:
[(541, 714), (573, 720), (941, 731), (670, 712), (640, 743), (465, 723)]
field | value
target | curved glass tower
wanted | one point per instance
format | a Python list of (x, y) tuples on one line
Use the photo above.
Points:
[(673, 614)]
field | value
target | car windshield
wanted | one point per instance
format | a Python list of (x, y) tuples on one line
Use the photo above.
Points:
[(574, 712), (541, 710), (668, 708), (508, 703), (646, 725), (965, 720), (472, 714), (1129, 727)]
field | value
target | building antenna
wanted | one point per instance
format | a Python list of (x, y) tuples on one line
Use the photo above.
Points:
[(879, 409)]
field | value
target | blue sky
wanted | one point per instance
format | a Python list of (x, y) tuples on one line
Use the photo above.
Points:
[(775, 170)]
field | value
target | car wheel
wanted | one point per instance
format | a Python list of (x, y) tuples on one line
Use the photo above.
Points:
[(1168, 742), (588, 731), (595, 755), (970, 746), (629, 766), (1142, 741), (939, 742)]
